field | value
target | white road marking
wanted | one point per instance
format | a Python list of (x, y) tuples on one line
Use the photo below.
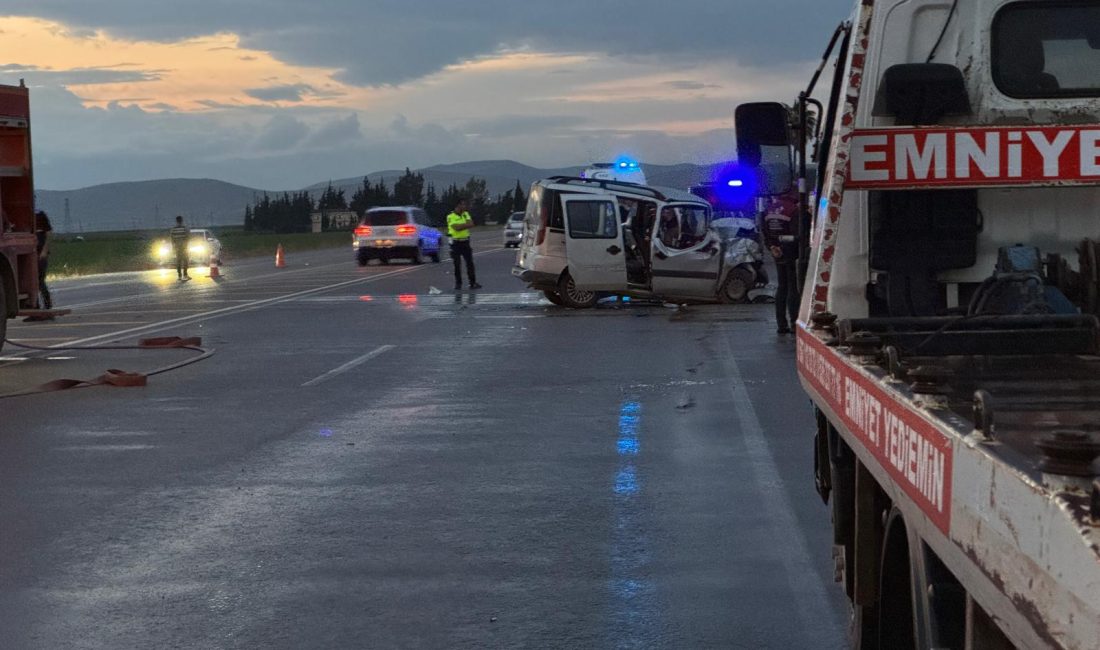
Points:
[(339, 370), (811, 600)]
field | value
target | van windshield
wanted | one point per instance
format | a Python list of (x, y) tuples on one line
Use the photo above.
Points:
[(385, 218), (1047, 50)]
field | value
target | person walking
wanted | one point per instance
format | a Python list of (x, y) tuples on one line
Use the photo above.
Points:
[(181, 236), (779, 227), (459, 224)]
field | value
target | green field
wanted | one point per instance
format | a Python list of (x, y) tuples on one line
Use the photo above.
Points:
[(114, 252)]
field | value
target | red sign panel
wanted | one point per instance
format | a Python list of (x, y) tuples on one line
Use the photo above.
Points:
[(14, 102), (908, 158), (912, 451)]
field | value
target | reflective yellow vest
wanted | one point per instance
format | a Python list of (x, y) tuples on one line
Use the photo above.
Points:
[(455, 219)]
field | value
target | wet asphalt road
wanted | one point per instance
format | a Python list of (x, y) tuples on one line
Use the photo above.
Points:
[(364, 463)]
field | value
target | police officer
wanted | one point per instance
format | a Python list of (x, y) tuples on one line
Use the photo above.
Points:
[(459, 224), (779, 226), (180, 236)]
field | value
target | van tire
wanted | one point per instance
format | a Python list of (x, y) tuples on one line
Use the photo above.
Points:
[(418, 254), (571, 296), (553, 297), (736, 287), (362, 258)]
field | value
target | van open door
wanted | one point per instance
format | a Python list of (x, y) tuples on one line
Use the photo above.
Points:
[(686, 253), (594, 242)]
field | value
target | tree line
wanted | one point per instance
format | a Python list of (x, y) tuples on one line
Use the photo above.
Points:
[(291, 211)]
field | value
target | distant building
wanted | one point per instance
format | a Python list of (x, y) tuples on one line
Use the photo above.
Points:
[(334, 220)]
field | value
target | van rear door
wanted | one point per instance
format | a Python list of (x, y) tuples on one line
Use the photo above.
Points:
[(594, 242)]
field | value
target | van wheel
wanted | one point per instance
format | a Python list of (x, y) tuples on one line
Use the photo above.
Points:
[(553, 297), (573, 297), (418, 255), (736, 287), (362, 258)]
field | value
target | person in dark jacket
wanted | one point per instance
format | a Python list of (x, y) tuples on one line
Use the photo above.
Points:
[(42, 230), (779, 227)]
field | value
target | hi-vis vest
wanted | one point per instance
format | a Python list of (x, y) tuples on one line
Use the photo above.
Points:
[(455, 219)]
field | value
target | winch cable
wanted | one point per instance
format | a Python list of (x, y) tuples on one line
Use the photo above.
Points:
[(115, 377)]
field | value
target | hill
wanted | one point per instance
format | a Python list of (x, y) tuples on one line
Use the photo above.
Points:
[(144, 205)]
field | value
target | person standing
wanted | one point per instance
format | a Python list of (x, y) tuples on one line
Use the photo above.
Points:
[(181, 236), (42, 230), (459, 224), (779, 227)]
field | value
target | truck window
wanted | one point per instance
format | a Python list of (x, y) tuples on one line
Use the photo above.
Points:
[(593, 220), (1047, 49)]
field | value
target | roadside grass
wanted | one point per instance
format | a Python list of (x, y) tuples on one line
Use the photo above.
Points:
[(116, 252)]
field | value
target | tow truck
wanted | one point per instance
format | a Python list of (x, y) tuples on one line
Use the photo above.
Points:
[(949, 337), (18, 252)]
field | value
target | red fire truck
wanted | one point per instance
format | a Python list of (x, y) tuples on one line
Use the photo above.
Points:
[(948, 336), (18, 256)]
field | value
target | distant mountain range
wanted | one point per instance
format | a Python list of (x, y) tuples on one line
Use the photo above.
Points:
[(148, 205)]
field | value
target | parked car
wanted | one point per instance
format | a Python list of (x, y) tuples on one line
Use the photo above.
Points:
[(202, 248), (513, 230), (396, 232), (585, 238)]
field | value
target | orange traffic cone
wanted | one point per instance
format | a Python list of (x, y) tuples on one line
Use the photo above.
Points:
[(280, 257), (215, 273)]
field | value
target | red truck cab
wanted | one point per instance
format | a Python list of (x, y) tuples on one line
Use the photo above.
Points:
[(18, 263)]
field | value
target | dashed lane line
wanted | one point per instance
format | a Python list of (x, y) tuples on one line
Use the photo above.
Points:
[(357, 361), (248, 306)]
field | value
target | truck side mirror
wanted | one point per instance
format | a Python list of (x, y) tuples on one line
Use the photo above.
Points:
[(764, 144)]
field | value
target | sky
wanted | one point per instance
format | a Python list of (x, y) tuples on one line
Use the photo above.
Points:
[(280, 94)]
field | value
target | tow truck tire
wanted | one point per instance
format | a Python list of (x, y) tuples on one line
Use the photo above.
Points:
[(3, 315), (362, 258), (435, 256), (896, 624), (736, 287), (418, 254), (553, 297), (573, 297)]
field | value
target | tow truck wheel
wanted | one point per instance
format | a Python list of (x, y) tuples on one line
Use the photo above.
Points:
[(736, 287), (418, 254), (553, 297), (3, 315), (435, 256), (896, 624), (362, 258), (573, 297)]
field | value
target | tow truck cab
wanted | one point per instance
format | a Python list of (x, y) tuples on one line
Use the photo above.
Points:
[(948, 333)]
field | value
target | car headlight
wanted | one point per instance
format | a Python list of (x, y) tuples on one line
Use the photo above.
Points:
[(198, 248), (162, 250)]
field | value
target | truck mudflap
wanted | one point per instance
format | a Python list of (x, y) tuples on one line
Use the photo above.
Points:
[(1025, 544)]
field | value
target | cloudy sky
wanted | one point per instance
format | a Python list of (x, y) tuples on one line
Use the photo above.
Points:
[(283, 93)]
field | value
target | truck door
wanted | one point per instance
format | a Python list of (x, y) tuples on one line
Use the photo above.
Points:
[(594, 242), (686, 253)]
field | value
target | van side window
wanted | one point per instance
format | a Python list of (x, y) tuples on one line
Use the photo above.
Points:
[(594, 219), (557, 218), (682, 227)]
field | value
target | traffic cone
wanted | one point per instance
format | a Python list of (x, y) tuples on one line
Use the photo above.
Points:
[(215, 273), (280, 257)]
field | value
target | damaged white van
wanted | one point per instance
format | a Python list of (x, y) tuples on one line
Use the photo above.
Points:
[(584, 238)]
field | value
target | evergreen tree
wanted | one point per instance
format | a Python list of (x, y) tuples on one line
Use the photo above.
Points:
[(409, 189), (519, 199)]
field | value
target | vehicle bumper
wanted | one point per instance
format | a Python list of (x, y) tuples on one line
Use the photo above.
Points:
[(389, 243), (512, 237), (535, 278)]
